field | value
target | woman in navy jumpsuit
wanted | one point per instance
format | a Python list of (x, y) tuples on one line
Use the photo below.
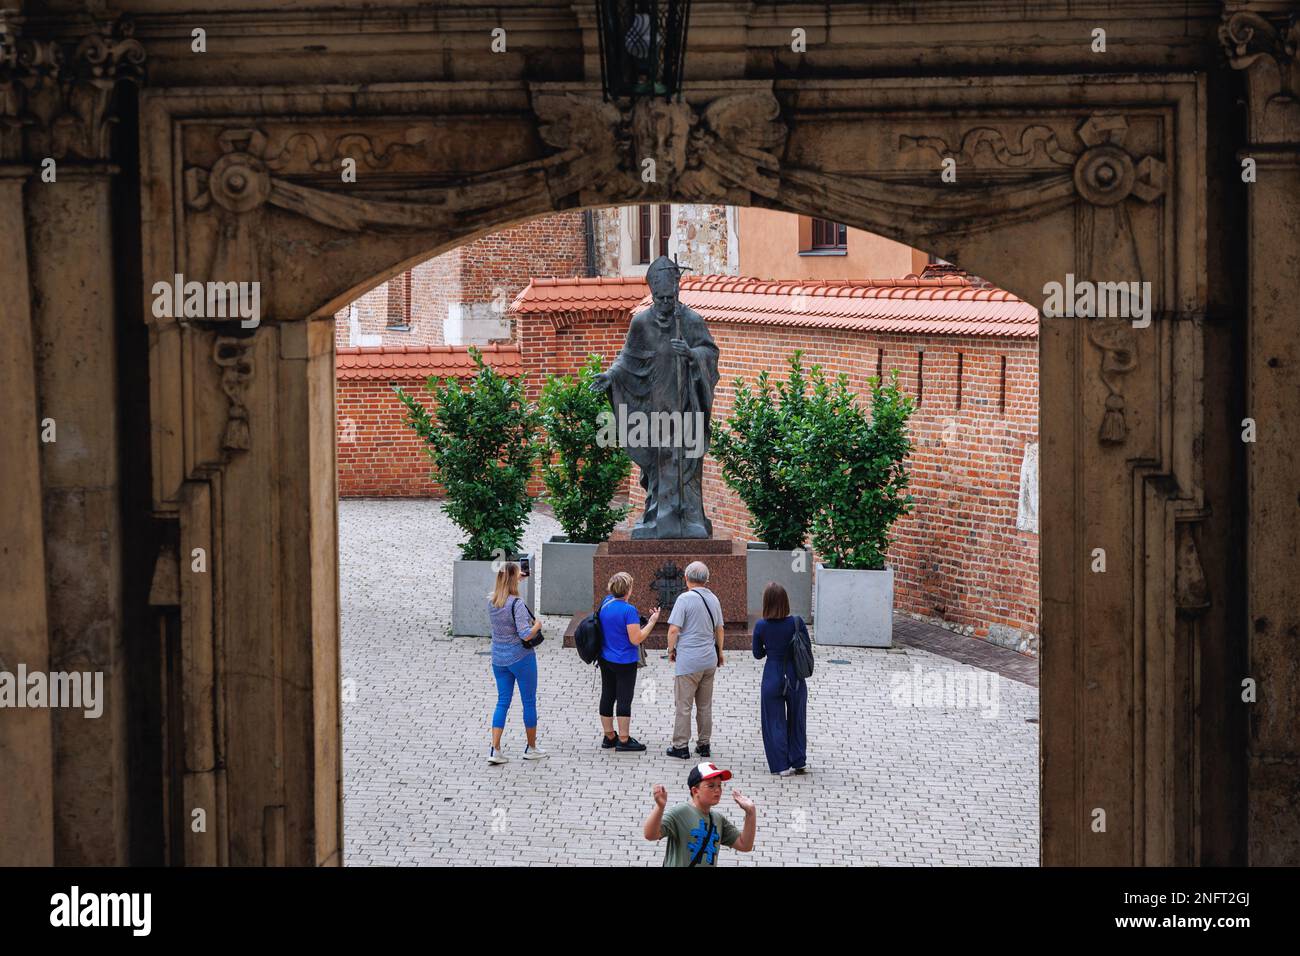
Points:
[(784, 694)]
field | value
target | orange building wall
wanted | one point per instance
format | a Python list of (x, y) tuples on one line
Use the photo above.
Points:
[(770, 244)]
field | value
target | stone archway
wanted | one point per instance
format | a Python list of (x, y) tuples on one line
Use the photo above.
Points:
[(1122, 167), (1102, 185)]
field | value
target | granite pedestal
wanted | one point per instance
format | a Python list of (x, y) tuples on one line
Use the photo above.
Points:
[(643, 558)]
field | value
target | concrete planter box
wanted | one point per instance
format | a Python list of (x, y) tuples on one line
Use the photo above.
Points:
[(855, 608), (763, 565), (471, 583), (566, 576)]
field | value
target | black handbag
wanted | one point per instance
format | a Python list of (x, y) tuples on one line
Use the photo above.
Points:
[(801, 652), (540, 636)]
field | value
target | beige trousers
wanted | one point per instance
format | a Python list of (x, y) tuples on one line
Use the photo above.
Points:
[(694, 689)]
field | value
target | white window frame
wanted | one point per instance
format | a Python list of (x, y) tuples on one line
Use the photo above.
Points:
[(627, 237)]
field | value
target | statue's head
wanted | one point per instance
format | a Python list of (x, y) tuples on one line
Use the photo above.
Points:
[(663, 277)]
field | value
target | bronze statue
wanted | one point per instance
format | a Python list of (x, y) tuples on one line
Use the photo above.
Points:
[(662, 384)]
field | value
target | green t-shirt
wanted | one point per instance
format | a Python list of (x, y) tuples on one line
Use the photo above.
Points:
[(685, 827)]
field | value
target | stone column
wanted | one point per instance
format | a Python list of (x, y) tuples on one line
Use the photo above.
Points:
[(72, 281), (1261, 39), (62, 92), (26, 784)]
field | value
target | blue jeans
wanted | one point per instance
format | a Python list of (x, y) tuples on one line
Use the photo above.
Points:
[(525, 672)]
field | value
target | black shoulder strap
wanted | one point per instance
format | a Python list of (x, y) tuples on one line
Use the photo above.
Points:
[(704, 844), (530, 613), (713, 626)]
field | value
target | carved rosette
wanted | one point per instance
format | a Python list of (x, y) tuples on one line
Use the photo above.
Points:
[(239, 182), (235, 190), (56, 97)]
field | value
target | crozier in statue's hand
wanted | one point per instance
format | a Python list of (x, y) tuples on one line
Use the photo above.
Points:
[(680, 346)]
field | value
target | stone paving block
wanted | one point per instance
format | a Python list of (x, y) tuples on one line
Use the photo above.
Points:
[(892, 784)]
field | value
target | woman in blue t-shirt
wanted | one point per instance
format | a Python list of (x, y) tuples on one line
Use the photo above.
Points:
[(784, 694), (621, 626)]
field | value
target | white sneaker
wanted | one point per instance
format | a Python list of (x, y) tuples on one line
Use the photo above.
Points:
[(787, 772), (496, 756), (534, 753)]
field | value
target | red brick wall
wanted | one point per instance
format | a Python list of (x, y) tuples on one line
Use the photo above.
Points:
[(387, 305), (378, 456), (497, 267)]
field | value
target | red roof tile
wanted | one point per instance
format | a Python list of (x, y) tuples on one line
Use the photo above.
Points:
[(945, 305), (949, 305), (565, 300), (406, 362)]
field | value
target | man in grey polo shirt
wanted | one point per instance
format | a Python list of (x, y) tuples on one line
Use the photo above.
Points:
[(695, 644)]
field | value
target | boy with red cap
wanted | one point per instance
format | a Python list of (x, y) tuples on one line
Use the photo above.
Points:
[(693, 829)]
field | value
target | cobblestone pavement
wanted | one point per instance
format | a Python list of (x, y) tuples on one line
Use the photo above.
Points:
[(891, 782)]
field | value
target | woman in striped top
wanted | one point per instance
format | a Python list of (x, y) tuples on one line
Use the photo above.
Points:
[(512, 661)]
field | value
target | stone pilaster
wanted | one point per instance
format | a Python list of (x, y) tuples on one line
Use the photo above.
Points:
[(26, 785), (57, 101), (1260, 39)]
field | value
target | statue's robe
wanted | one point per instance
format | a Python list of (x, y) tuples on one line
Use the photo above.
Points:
[(648, 376)]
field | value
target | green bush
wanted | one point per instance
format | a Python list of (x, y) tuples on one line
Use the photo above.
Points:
[(853, 468), (580, 475), (752, 446), (483, 442)]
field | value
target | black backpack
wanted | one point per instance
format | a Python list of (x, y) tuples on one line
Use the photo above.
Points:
[(589, 638), (801, 650)]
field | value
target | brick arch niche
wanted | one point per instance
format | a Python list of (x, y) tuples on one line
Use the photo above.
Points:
[(1096, 175)]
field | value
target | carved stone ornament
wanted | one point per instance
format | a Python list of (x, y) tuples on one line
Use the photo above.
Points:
[(1249, 37), (231, 355), (56, 98), (1114, 339), (1104, 174), (1191, 591), (668, 584), (1265, 48), (731, 147)]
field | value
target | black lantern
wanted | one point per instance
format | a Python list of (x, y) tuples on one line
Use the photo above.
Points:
[(642, 47)]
